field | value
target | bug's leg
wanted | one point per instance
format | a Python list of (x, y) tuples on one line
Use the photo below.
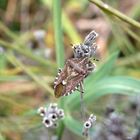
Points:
[(90, 67)]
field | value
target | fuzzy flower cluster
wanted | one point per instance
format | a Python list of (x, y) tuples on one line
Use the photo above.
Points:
[(51, 115), (88, 124)]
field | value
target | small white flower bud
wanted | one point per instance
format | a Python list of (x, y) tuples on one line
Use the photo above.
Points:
[(92, 118), (47, 122), (53, 117), (52, 108), (60, 113), (55, 125), (42, 111), (87, 124), (53, 105)]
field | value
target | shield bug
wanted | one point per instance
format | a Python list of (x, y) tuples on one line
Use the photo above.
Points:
[(77, 68), (73, 73)]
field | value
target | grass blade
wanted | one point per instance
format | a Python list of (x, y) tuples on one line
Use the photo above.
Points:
[(112, 11), (58, 33)]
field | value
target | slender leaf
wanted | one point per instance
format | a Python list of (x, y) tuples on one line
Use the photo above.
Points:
[(110, 85), (73, 125)]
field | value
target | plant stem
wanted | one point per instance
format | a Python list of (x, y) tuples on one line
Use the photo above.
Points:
[(60, 130), (82, 102), (115, 12), (59, 49), (58, 32), (69, 28)]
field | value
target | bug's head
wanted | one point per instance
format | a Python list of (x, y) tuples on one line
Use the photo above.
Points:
[(78, 52)]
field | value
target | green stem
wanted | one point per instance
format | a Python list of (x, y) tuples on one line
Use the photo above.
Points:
[(58, 32), (68, 27), (115, 12), (60, 130), (59, 48)]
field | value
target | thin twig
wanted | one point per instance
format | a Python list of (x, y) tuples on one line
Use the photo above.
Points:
[(105, 7)]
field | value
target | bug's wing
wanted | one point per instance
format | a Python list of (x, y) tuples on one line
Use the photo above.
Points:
[(73, 84), (59, 89), (58, 86)]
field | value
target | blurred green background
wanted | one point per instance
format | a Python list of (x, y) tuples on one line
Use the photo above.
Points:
[(35, 38)]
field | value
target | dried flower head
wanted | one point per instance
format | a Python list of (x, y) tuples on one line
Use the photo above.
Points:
[(51, 115), (88, 124)]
